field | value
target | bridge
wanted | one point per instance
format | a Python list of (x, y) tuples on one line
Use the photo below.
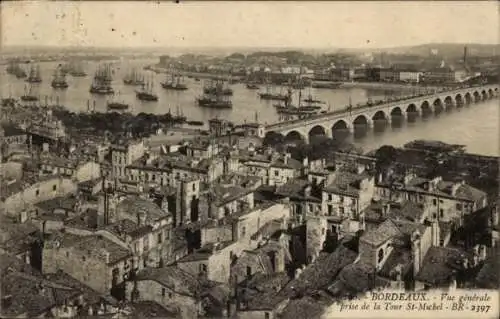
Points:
[(348, 120)]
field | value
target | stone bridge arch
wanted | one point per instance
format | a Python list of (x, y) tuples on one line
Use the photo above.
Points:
[(477, 96), (341, 128), (459, 100), (468, 98), (448, 102), (317, 130), (426, 108), (379, 116), (484, 95), (438, 105), (296, 136)]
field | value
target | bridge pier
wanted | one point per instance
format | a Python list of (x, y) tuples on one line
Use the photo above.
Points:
[(329, 133)]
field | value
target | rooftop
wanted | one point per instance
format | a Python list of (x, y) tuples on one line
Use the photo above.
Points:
[(132, 206), (398, 230), (440, 265), (174, 278), (205, 252), (346, 183), (93, 244), (295, 189)]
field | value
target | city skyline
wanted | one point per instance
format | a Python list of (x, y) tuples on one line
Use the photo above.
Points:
[(359, 25)]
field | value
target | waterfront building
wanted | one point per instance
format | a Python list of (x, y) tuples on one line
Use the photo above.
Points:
[(450, 201), (124, 153)]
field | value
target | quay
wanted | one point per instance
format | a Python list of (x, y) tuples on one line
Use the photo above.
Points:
[(350, 118)]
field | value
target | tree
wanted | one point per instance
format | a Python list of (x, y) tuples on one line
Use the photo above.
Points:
[(386, 155), (274, 140)]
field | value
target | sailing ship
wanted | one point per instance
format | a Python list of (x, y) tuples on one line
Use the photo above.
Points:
[(102, 81), (116, 104), (300, 110), (179, 116), (59, 81), (76, 70), (133, 78), (146, 93), (270, 95), (34, 74), (216, 100), (16, 70), (217, 87), (28, 94), (174, 82), (310, 99)]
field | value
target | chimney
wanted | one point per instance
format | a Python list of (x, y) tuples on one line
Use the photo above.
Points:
[(482, 253), (415, 252), (455, 188), (286, 158), (141, 218), (435, 233), (386, 209), (494, 216)]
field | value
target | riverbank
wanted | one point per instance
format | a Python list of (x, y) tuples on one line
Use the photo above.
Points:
[(386, 86)]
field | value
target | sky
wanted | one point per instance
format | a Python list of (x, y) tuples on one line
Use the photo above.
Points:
[(369, 24)]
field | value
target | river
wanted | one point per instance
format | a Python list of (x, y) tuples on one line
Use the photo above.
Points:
[(475, 126)]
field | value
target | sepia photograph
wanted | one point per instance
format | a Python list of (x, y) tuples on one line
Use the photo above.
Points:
[(249, 159)]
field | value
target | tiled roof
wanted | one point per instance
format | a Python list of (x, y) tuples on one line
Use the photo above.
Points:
[(128, 227), (346, 183), (32, 296), (174, 278), (320, 273), (95, 243), (134, 205), (439, 265), (295, 189), (358, 277), (151, 309), (488, 277), (398, 257), (397, 229), (11, 130), (307, 307)]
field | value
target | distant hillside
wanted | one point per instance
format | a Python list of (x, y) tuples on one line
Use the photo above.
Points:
[(448, 49)]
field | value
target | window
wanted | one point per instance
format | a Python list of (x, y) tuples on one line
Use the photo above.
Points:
[(353, 201), (276, 173), (203, 267), (434, 202), (459, 206), (67, 254), (194, 187), (341, 211), (243, 231), (380, 255), (267, 315), (37, 192), (341, 199), (330, 197), (160, 239), (441, 213), (330, 210), (311, 208), (54, 187), (440, 201), (163, 292)]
